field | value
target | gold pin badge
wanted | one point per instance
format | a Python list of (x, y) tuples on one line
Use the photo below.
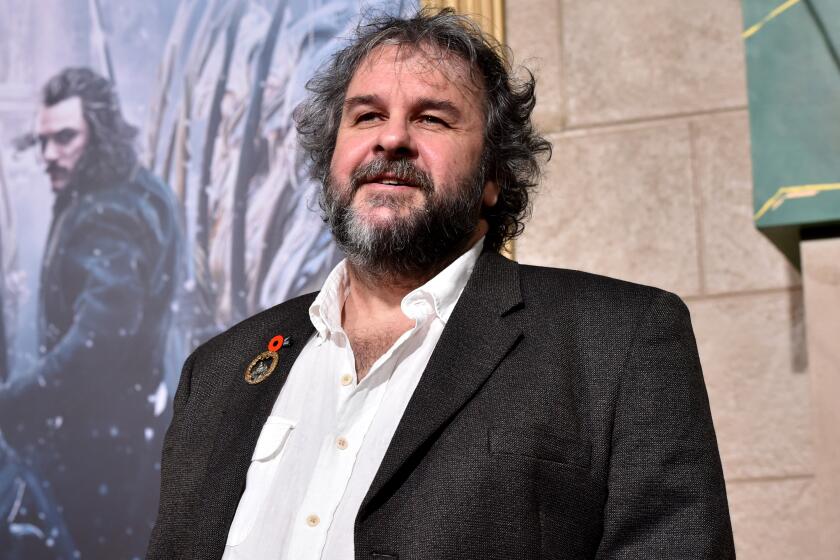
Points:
[(265, 363)]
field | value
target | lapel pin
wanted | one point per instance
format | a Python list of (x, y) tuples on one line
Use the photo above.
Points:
[(265, 363)]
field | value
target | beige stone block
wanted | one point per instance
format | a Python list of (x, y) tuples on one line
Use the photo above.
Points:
[(736, 256), (821, 275), (618, 203), (525, 22), (774, 519), (752, 349), (635, 60)]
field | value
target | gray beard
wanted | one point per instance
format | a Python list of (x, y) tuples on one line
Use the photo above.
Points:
[(409, 244)]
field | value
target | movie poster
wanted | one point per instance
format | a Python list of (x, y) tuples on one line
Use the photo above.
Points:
[(151, 195)]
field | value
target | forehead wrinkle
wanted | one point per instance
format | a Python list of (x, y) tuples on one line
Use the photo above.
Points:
[(429, 58)]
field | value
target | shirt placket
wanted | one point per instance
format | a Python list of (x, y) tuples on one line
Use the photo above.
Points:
[(356, 407)]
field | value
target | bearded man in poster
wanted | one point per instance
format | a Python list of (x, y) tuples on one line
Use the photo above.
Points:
[(81, 419)]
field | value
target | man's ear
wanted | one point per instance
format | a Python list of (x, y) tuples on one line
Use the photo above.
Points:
[(490, 195)]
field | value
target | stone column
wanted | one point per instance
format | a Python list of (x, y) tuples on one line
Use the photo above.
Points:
[(821, 280)]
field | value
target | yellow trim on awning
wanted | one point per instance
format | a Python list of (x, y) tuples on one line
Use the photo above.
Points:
[(798, 191), (777, 11)]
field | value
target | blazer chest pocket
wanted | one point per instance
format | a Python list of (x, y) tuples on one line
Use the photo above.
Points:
[(267, 453), (539, 443)]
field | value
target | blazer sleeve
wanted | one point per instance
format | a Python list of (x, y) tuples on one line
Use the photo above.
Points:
[(173, 507), (666, 492)]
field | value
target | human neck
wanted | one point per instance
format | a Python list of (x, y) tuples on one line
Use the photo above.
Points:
[(372, 315)]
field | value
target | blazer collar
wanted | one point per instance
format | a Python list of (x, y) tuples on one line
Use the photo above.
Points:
[(483, 328), (246, 408)]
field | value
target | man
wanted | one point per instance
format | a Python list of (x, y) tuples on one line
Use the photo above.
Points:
[(436, 400), (83, 419)]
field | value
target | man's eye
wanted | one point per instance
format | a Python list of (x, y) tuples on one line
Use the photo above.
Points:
[(66, 136), (367, 117), (431, 119)]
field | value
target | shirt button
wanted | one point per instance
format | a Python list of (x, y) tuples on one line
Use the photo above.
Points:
[(346, 379), (313, 520), (341, 443)]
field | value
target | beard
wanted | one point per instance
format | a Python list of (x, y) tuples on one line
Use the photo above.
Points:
[(415, 239), (58, 173), (97, 167)]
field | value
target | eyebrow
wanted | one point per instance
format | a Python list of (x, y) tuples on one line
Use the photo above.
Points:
[(358, 100), (66, 131), (422, 104), (426, 104)]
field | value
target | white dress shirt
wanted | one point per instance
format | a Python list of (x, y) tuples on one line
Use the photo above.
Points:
[(325, 438)]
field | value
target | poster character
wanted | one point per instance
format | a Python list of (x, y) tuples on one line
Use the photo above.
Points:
[(88, 418)]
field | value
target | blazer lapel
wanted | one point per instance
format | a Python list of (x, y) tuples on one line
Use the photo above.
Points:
[(481, 330), (246, 409)]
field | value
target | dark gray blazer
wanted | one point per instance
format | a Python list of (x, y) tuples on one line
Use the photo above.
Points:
[(562, 415)]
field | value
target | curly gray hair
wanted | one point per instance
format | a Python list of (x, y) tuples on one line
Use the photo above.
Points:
[(512, 147)]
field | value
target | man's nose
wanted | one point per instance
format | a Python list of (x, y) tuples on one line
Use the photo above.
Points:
[(50, 151), (395, 140)]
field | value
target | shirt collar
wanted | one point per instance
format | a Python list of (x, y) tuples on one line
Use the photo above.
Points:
[(325, 311), (442, 291), (446, 287)]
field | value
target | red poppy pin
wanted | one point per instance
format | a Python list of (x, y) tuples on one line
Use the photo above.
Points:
[(265, 363)]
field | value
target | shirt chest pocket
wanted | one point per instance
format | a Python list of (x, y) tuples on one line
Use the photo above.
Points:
[(267, 455)]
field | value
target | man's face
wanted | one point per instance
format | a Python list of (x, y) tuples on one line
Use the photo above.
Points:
[(63, 136), (409, 145)]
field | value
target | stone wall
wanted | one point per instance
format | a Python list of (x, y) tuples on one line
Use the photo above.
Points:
[(646, 105)]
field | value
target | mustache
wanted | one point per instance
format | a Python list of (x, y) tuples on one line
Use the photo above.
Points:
[(54, 169), (401, 170)]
